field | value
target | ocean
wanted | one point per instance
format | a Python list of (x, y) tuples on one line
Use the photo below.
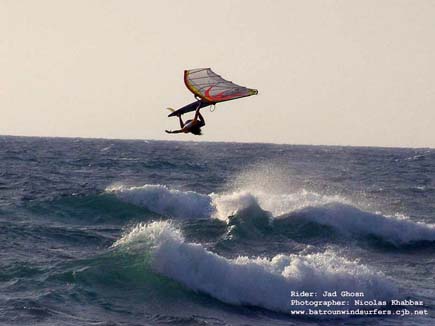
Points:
[(136, 232)]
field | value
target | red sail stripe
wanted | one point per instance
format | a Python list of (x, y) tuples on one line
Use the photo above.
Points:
[(219, 97)]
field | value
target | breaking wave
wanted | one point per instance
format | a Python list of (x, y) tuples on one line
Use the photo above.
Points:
[(349, 220), (331, 211), (260, 282)]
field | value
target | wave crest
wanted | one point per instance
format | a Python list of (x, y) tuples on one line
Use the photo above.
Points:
[(164, 201), (349, 220)]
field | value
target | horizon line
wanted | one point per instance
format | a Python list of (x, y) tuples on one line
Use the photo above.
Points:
[(217, 141)]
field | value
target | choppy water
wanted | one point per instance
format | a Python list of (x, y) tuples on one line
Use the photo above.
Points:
[(111, 232)]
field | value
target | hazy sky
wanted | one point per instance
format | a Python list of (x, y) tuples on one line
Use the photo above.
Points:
[(328, 72)]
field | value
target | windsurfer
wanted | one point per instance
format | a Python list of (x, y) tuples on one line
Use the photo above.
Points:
[(193, 126)]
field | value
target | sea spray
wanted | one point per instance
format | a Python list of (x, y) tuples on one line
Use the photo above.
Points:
[(228, 204)]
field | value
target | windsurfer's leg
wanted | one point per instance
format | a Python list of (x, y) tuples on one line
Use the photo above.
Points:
[(174, 131), (181, 122)]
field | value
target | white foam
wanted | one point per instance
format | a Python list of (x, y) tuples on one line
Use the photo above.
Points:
[(164, 201), (258, 282)]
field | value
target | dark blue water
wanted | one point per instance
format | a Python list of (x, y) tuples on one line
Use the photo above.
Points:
[(115, 232)]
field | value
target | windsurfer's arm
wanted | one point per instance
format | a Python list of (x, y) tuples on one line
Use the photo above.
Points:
[(201, 118), (181, 122), (197, 114)]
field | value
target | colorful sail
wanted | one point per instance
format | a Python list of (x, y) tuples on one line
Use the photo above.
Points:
[(212, 88)]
